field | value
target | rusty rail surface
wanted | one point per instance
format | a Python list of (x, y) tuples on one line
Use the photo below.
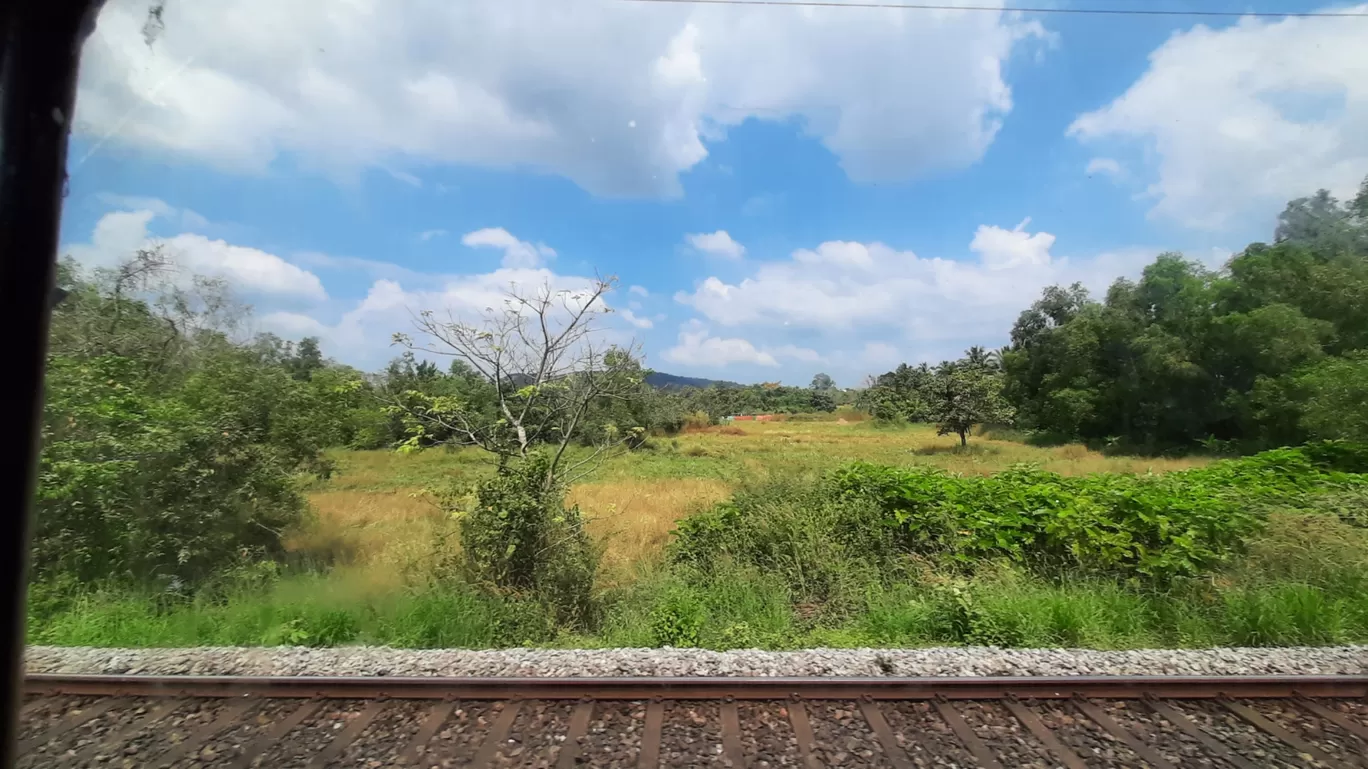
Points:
[(1320, 719)]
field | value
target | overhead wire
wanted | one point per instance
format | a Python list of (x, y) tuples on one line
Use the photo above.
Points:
[(1019, 9)]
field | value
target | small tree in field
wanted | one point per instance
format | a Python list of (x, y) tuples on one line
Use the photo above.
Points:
[(964, 395), (542, 358)]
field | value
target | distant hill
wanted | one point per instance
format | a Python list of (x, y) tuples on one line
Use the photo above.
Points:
[(672, 382)]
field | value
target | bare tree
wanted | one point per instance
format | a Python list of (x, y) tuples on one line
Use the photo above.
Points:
[(542, 355)]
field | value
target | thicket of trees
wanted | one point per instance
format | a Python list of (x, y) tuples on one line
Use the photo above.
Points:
[(1269, 350), (169, 449), (956, 395)]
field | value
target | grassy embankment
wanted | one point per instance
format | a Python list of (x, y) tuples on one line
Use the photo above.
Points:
[(376, 560)]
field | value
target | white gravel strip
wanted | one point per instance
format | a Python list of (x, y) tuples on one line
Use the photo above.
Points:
[(944, 661)]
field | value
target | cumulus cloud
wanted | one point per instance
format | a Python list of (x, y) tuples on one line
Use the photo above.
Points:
[(362, 333), (1001, 249), (517, 253), (639, 291), (119, 234), (1104, 166), (859, 305), (697, 347), (1239, 120), (617, 97), (636, 320), (717, 244)]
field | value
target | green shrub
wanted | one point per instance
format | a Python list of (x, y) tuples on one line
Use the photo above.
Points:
[(824, 549), (1157, 527), (677, 620), (146, 488), (521, 539)]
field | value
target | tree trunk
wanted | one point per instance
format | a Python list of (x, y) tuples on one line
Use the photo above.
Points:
[(964, 438)]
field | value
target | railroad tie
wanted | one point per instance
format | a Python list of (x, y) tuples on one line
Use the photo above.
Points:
[(1100, 717), (1335, 717), (802, 732), (230, 716), (1189, 727), (1253, 718), (432, 723), (1043, 733), (980, 751), (648, 757), (731, 735), (891, 749), (574, 736), (494, 739), (73, 721), (348, 735), (117, 737), (276, 733)]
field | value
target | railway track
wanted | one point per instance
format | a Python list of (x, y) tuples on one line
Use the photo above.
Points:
[(317, 722)]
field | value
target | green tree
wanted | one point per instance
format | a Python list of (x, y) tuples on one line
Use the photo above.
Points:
[(964, 395), (1334, 397), (169, 451)]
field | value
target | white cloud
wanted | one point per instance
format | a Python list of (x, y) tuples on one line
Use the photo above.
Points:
[(291, 325), (639, 291), (517, 253), (427, 235), (119, 234), (858, 305), (1104, 166), (1241, 119), (697, 348), (635, 320), (362, 334), (186, 218), (617, 97), (717, 243), (1001, 249), (406, 178)]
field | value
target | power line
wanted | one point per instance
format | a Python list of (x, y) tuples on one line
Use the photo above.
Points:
[(1081, 11)]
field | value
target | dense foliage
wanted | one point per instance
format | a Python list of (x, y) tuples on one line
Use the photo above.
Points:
[(169, 450), (956, 395), (1149, 527), (1266, 351)]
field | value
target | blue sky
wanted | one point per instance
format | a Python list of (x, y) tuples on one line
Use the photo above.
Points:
[(779, 191)]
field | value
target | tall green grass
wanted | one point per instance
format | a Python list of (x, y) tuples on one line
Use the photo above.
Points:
[(796, 563)]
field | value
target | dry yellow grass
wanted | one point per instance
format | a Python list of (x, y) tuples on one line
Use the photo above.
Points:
[(395, 535), (374, 515), (632, 519)]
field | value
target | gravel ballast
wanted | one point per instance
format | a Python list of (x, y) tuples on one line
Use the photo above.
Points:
[(944, 661)]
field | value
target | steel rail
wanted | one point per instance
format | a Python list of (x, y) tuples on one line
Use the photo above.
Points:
[(624, 688)]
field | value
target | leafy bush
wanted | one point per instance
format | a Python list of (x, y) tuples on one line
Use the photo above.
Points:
[(520, 537), (1153, 526), (823, 548), (1150, 527), (137, 486)]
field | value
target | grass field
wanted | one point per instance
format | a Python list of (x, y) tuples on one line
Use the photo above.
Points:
[(374, 565), (377, 513)]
